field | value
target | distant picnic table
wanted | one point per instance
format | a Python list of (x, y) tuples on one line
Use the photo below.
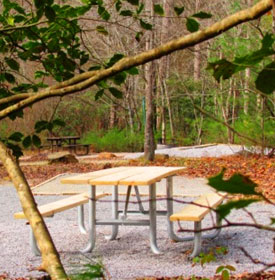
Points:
[(70, 142)]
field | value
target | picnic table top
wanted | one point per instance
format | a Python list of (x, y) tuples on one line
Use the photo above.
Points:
[(124, 176)]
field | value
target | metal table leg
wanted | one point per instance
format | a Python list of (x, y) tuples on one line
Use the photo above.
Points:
[(170, 225), (197, 240), (114, 213), (33, 242), (81, 223), (92, 221), (153, 219), (171, 232), (140, 206)]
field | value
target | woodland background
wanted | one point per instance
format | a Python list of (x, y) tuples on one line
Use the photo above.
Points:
[(185, 95)]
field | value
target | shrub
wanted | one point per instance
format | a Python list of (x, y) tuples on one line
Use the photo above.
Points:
[(114, 140)]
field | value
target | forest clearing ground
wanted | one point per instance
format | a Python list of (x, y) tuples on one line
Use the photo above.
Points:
[(115, 254)]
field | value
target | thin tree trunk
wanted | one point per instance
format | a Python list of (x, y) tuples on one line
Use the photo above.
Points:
[(246, 91), (112, 117), (197, 55), (228, 111), (169, 113), (50, 257), (163, 70), (263, 123), (149, 141), (234, 115), (247, 76)]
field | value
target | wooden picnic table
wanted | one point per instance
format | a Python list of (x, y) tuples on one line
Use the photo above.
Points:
[(60, 140), (66, 142), (146, 177)]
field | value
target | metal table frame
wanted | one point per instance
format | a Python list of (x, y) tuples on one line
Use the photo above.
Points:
[(118, 219)]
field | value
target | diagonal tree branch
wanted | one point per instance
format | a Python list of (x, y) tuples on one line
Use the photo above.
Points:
[(87, 79)]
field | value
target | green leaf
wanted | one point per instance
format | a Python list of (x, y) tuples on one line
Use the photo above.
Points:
[(40, 126), (16, 136), (101, 29), (158, 9), (225, 209), (103, 84), (138, 36), (219, 269), (16, 150), (140, 8), (16, 114), (126, 13), (114, 59), (58, 122), (225, 275), (179, 10), (40, 74), (133, 2), (230, 267), (192, 25), (202, 15), (115, 92), (39, 4), (13, 64), (118, 5), (145, 25), (235, 184), (268, 41), (99, 94), (272, 221), (222, 69), (10, 20), (36, 141), (93, 68), (265, 81), (132, 71), (103, 13), (120, 78), (27, 141), (9, 77), (50, 13)]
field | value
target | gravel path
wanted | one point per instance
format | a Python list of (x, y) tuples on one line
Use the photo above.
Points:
[(211, 150), (130, 255)]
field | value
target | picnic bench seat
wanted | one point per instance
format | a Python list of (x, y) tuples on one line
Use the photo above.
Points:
[(74, 148), (196, 211), (50, 209)]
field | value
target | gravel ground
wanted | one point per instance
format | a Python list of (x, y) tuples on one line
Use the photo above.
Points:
[(200, 151), (130, 255)]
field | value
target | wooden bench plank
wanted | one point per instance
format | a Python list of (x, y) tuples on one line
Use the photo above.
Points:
[(195, 212), (52, 208)]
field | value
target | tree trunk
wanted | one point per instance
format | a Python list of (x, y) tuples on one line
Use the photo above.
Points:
[(246, 91), (149, 141), (197, 55), (247, 76), (112, 118), (50, 257)]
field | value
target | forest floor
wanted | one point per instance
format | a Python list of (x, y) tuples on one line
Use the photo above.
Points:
[(260, 169)]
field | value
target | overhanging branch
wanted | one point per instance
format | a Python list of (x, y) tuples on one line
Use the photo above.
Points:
[(87, 79)]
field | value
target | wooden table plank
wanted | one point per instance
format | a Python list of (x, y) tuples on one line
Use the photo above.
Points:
[(116, 178), (151, 175), (84, 178), (137, 176)]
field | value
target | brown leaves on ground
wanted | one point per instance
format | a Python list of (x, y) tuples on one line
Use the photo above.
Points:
[(260, 169), (243, 276)]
